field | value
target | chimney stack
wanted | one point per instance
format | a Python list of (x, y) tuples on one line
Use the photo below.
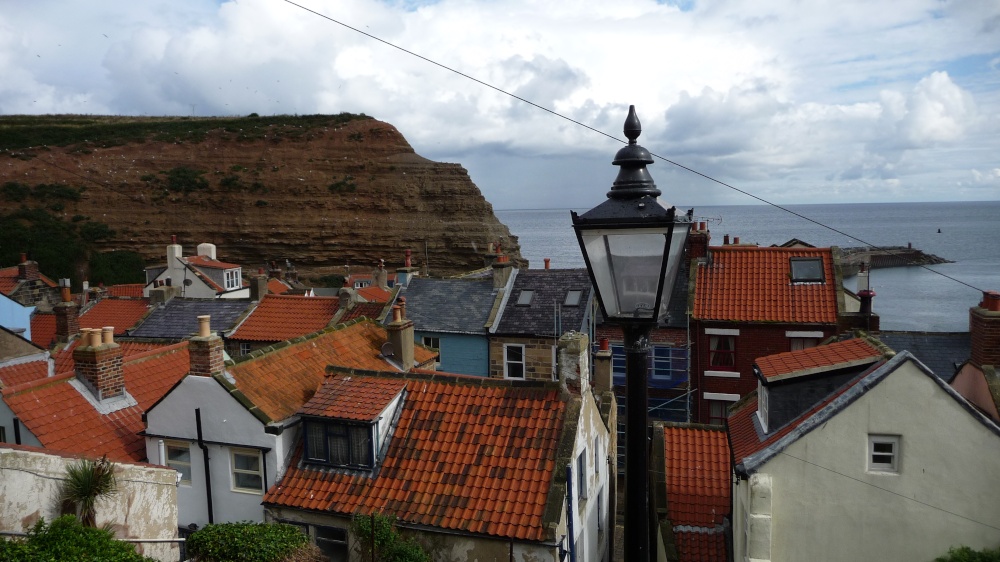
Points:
[(405, 273), (984, 329), (67, 314), (98, 363), (401, 336), (548, 263), (603, 379), (501, 271), (381, 278), (27, 270), (573, 367), (725, 240), (698, 241), (205, 350), (258, 285)]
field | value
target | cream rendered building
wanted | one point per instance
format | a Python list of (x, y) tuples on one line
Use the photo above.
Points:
[(892, 465)]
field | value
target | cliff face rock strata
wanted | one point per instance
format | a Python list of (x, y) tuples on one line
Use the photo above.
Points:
[(319, 195)]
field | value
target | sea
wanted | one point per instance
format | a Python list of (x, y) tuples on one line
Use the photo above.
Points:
[(934, 298)]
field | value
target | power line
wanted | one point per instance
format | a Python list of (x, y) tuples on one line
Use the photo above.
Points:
[(598, 131)]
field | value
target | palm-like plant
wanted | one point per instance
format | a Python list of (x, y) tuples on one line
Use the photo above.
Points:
[(87, 482)]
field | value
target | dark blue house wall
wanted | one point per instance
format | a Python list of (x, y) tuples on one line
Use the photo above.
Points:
[(461, 353)]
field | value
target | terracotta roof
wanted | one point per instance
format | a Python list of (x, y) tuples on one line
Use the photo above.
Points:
[(280, 381), (277, 286), (353, 398), (123, 314), (130, 290), (371, 310), (375, 294), (205, 261), (62, 419), (9, 279), (13, 375), (282, 317), (842, 354), (697, 475), (64, 357), (465, 455), (43, 329), (752, 284), (693, 546)]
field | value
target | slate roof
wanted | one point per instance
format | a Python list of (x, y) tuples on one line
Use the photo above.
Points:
[(836, 355), (64, 420), (753, 284), (279, 380), (43, 329), (460, 306), (282, 317), (178, 317), (129, 290), (942, 352), (467, 454), (123, 314), (549, 287)]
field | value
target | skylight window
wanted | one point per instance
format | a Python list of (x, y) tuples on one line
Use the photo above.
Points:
[(524, 299), (807, 270), (573, 298)]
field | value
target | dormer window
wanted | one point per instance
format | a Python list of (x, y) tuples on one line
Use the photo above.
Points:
[(337, 443), (234, 279), (524, 299), (762, 405), (806, 270)]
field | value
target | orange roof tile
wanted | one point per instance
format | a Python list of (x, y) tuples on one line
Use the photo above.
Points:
[(43, 329), (372, 293), (693, 546), (280, 381), (465, 455), (130, 290), (697, 475), (64, 357), (282, 317), (371, 310), (13, 375), (62, 419), (9, 279), (352, 398), (842, 354), (277, 286), (120, 313), (205, 261), (752, 284)]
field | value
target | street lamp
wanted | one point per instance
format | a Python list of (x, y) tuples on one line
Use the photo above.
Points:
[(633, 246)]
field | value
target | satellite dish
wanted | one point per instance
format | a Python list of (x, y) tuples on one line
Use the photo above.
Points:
[(387, 349), (188, 282)]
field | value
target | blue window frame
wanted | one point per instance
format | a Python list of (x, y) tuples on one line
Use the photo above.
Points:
[(668, 366)]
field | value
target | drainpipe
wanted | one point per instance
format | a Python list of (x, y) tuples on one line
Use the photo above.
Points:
[(569, 512), (208, 472)]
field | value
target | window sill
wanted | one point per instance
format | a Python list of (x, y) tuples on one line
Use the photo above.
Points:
[(247, 491), (723, 374)]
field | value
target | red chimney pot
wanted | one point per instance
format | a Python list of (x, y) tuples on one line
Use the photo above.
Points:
[(548, 261)]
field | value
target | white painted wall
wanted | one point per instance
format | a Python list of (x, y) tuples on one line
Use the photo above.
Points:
[(7, 422), (225, 423), (827, 506), (144, 508), (14, 316)]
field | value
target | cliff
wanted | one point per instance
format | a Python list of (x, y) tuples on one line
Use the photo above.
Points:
[(319, 191)]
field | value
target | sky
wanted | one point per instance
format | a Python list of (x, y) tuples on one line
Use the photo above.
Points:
[(793, 102)]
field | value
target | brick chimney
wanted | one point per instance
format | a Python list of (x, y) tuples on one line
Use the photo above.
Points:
[(603, 379), (98, 362), (205, 350), (698, 241), (67, 314), (573, 365), (501, 271), (258, 285), (401, 336), (984, 329), (27, 270)]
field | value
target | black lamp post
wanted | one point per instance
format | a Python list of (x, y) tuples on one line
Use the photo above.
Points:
[(633, 246)]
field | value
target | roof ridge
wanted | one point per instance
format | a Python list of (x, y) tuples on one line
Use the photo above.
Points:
[(298, 339), (37, 383), (449, 378)]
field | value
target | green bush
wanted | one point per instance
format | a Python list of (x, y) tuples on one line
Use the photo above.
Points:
[(66, 540), (245, 542), (185, 179), (15, 192), (54, 244), (112, 268), (390, 546), (95, 231), (966, 554), (50, 191), (345, 185)]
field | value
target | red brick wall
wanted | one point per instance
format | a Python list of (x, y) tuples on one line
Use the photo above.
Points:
[(984, 328), (755, 340), (206, 356), (101, 368), (67, 321)]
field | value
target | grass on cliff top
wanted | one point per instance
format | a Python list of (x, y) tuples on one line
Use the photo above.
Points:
[(26, 131)]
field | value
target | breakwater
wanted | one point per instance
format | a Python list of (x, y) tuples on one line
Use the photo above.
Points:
[(889, 256)]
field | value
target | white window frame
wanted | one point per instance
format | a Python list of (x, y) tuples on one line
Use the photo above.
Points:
[(233, 451), (581, 474), (167, 445), (523, 363), (762, 405), (891, 467), (245, 348), (233, 278)]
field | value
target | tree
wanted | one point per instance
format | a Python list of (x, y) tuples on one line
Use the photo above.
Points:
[(87, 483), (388, 545)]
